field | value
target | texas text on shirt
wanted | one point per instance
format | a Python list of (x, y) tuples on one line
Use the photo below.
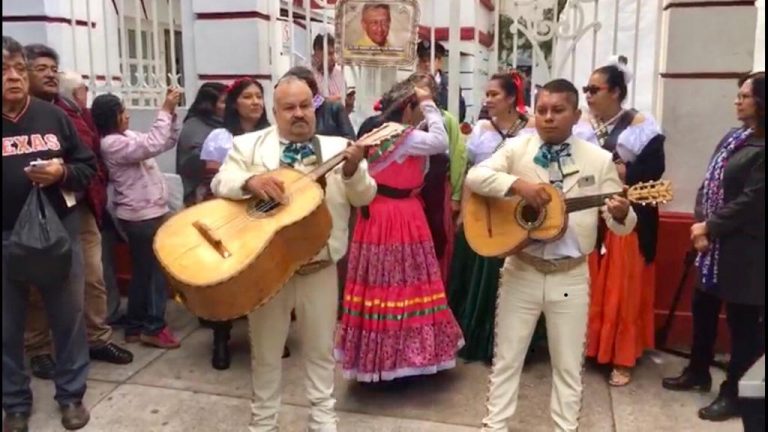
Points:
[(41, 131)]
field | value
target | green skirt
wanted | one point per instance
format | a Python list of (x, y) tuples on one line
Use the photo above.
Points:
[(472, 294)]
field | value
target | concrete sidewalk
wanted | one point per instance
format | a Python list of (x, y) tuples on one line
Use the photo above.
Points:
[(178, 391)]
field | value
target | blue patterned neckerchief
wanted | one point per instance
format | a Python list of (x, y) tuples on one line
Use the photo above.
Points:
[(712, 201), (293, 153), (557, 159)]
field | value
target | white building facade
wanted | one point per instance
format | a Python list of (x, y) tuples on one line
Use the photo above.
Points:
[(684, 71)]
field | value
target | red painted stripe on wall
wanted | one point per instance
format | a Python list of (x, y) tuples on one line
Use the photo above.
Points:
[(104, 77), (704, 4), (488, 4), (466, 34), (232, 15), (229, 77), (703, 75), (47, 19)]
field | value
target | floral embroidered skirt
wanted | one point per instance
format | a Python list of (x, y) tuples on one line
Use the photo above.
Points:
[(396, 321)]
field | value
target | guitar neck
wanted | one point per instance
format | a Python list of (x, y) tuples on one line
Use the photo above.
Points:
[(326, 167), (373, 138), (587, 202)]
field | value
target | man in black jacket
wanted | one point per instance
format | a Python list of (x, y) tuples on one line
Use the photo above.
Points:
[(332, 118), (41, 147)]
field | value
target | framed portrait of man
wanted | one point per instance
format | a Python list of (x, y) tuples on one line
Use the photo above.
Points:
[(377, 32)]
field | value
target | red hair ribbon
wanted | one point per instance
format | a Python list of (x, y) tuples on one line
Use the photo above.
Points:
[(235, 83), (377, 106), (520, 89)]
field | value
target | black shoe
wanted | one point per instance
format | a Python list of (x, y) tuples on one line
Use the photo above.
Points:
[(724, 407), (74, 416), (221, 358), (111, 353), (43, 366), (286, 352), (16, 422), (688, 380)]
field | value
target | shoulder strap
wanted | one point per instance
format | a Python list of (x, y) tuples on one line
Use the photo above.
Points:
[(513, 131), (318, 149)]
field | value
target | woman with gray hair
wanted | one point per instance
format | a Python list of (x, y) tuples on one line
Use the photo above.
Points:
[(72, 86)]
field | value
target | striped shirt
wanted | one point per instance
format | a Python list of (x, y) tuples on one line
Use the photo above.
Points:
[(336, 85)]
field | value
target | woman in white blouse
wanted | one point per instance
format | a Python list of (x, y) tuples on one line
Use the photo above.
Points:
[(621, 320)]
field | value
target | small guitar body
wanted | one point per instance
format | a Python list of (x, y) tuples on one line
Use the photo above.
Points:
[(499, 227)]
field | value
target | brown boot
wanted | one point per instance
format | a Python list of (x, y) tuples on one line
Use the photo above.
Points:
[(16, 422), (74, 416)]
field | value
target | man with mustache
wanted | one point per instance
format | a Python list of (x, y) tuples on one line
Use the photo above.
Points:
[(312, 291), (43, 63)]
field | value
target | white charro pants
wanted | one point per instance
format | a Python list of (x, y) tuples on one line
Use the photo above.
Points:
[(315, 298), (524, 293)]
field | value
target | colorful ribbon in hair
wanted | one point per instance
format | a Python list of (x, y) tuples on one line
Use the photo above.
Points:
[(520, 100), (235, 83)]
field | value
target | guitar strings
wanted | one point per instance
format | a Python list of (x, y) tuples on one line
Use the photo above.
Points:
[(242, 220), (374, 136)]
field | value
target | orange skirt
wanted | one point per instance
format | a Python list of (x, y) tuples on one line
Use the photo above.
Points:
[(621, 314)]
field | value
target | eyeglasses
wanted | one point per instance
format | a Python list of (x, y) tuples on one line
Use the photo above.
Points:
[(592, 89)]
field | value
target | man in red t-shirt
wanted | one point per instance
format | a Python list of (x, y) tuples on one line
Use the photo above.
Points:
[(44, 84)]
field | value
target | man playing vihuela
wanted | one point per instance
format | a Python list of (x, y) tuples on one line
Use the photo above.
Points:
[(549, 278)]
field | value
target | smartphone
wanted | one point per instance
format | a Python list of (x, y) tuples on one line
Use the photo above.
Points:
[(38, 163)]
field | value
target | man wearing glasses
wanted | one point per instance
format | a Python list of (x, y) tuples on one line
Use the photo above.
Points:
[(43, 64)]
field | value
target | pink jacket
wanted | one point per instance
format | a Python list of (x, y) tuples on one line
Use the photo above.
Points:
[(140, 192)]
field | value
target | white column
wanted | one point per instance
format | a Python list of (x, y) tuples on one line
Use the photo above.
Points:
[(493, 60), (759, 63), (191, 83), (454, 57)]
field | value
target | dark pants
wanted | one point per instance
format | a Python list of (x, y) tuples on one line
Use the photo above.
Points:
[(753, 414), (220, 328), (147, 294), (109, 240), (64, 310), (746, 326)]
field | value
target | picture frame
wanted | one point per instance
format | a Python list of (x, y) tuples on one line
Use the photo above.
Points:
[(378, 33)]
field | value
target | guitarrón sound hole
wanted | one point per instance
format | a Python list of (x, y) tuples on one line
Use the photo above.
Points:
[(529, 214)]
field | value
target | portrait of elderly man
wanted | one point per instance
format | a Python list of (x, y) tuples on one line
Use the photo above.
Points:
[(376, 20)]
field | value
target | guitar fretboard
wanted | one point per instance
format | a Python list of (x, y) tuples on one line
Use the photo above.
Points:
[(583, 203)]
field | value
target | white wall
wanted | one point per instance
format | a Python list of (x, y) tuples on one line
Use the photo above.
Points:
[(695, 112)]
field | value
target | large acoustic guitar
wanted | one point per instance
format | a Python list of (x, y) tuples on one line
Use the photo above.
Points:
[(225, 258), (499, 227)]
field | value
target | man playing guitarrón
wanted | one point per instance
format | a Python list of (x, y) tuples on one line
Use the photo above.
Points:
[(312, 292), (548, 277)]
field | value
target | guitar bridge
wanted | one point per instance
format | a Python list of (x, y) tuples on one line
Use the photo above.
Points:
[(212, 239), (488, 217)]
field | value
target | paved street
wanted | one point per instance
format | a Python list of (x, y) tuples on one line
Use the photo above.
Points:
[(175, 391)]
